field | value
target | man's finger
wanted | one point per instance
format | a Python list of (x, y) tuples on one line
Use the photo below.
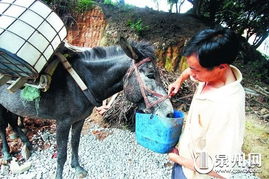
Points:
[(173, 92)]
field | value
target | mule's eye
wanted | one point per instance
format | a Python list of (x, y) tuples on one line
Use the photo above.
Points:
[(151, 75)]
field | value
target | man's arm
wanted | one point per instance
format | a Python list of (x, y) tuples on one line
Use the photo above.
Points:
[(174, 87), (188, 163)]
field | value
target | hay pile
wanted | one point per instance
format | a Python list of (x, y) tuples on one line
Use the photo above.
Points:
[(121, 113)]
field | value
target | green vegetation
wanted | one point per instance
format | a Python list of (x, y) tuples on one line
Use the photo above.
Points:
[(84, 5), (137, 26), (168, 64), (109, 2), (67, 10), (250, 17), (259, 69)]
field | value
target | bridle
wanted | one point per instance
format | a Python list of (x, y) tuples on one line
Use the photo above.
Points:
[(144, 89)]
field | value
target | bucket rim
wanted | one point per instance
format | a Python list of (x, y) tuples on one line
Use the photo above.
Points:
[(151, 115)]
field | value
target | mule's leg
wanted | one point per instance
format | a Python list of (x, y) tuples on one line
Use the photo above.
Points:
[(76, 131), (13, 121), (5, 148), (3, 126), (62, 132)]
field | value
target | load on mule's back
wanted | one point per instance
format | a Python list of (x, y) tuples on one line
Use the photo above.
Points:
[(30, 32)]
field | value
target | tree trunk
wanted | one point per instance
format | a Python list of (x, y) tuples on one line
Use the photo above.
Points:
[(197, 7), (213, 7), (171, 7)]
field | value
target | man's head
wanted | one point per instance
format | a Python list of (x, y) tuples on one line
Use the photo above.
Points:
[(210, 52)]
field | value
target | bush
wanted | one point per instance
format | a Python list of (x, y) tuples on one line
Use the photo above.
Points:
[(137, 26), (109, 2), (84, 5)]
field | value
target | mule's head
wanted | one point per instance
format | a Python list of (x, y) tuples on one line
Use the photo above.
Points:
[(142, 83)]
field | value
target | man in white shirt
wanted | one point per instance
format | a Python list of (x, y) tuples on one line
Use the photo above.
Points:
[(215, 122)]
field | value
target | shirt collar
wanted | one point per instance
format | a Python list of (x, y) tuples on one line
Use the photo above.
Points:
[(219, 92)]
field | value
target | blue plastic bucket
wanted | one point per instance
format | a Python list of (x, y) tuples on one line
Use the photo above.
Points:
[(156, 133)]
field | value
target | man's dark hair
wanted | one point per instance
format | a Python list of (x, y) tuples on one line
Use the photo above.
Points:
[(213, 47)]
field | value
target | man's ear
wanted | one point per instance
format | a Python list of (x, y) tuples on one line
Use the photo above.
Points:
[(223, 66)]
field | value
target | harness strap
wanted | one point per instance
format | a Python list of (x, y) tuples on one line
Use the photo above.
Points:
[(131, 69), (87, 91), (143, 88), (45, 77)]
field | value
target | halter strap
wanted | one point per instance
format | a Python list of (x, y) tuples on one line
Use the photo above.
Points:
[(132, 68), (142, 86)]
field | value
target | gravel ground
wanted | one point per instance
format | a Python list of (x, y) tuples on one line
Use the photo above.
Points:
[(113, 153), (106, 153)]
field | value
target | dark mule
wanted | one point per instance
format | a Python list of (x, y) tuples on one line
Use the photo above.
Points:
[(6, 118), (102, 69)]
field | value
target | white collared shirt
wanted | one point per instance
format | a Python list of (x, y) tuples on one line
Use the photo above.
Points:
[(215, 124)]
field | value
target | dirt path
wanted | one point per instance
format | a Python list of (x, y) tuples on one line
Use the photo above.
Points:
[(257, 141), (256, 137)]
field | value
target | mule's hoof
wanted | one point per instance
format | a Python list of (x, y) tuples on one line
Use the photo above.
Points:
[(29, 145), (81, 172), (25, 152)]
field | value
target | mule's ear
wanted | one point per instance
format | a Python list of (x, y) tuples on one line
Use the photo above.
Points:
[(128, 49)]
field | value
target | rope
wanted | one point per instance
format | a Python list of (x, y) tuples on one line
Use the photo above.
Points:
[(142, 86)]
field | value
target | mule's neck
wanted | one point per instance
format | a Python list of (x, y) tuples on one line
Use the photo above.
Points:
[(104, 76)]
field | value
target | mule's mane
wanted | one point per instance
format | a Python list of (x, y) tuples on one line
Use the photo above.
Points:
[(97, 53)]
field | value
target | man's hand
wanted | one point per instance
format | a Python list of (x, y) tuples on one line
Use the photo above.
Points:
[(174, 150), (173, 155), (173, 88)]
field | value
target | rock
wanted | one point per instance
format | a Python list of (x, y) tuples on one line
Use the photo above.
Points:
[(28, 176), (4, 170), (264, 111), (20, 123), (39, 175), (25, 152), (15, 168), (266, 117), (3, 162), (45, 136)]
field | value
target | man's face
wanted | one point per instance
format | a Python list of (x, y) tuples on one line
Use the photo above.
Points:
[(203, 74)]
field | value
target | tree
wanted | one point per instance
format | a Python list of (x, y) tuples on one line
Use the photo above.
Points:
[(196, 6), (157, 4), (250, 17), (180, 4), (172, 2)]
